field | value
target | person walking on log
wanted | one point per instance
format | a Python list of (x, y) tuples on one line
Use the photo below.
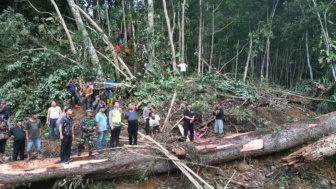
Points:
[(87, 126), (86, 92), (155, 124), (33, 135), (219, 113), (17, 133), (115, 116), (71, 88), (131, 117), (189, 118), (148, 109), (101, 121), (3, 137), (66, 135), (53, 114)]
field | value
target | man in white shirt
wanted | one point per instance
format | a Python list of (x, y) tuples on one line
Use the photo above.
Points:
[(183, 67), (53, 114), (155, 124)]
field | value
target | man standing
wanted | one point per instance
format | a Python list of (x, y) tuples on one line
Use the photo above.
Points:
[(53, 114), (71, 88), (87, 126), (148, 109), (219, 113), (33, 135), (131, 117), (97, 104), (155, 124), (25, 119), (115, 115), (86, 92), (3, 137), (120, 101), (101, 121), (4, 111), (17, 133), (183, 67), (189, 118), (58, 122), (109, 89), (66, 135)]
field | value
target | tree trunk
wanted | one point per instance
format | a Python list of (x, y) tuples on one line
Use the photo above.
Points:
[(128, 161), (72, 46), (248, 58), (170, 34), (323, 148), (124, 21), (182, 31), (151, 29), (87, 41), (200, 39)]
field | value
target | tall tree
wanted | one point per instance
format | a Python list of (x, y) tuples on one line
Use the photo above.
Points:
[(170, 35), (200, 38), (151, 29), (86, 39), (182, 30)]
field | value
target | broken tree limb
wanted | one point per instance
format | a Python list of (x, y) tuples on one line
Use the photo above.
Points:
[(169, 111), (176, 123), (72, 46), (115, 66), (122, 163), (107, 41), (115, 85), (323, 148)]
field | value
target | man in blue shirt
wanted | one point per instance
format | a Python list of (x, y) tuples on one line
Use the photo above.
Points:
[(109, 89), (101, 121), (71, 88)]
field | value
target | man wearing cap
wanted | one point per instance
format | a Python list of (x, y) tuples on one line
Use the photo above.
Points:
[(189, 118), (87, 126), (66, 135), (115, 116), (53, 114), (109, 89), (4, 111), (120, 101), (33, 135), (219, 113), (148, 109), (86, 91), (17, 133), (97, 104), (101, 121), (3, 137)]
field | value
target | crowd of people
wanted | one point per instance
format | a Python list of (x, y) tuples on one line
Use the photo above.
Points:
[(102, 114)]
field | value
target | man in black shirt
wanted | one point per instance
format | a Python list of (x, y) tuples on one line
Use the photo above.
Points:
[(71, 88), (17, 133), (189, 118), (66, 135), (219, 113)]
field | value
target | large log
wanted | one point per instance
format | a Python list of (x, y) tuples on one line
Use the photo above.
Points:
[(138, 161), (323, 148)]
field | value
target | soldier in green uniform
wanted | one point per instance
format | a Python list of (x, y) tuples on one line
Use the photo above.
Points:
[(88, 127)]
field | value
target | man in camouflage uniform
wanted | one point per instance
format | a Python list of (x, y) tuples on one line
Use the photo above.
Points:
[(87, 126)]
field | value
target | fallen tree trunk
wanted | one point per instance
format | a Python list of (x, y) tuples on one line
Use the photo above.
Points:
[(139, 161), (323, 148)]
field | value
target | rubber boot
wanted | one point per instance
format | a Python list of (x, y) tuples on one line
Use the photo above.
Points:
[(79, 153), (90, 155)]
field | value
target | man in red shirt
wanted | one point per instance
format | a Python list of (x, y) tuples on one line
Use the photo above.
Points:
[(117, 47)]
